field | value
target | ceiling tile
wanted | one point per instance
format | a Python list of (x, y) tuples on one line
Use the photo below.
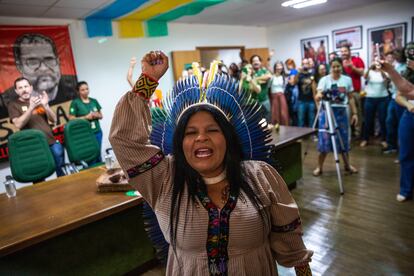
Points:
[(45, 3), (14, 10), (265, 12), (73, 13), (90, 4)]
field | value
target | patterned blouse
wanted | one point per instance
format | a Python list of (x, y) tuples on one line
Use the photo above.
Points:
[(234, 240)]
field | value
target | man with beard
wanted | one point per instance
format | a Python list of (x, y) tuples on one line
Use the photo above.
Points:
[(31, 111), (37, 59)]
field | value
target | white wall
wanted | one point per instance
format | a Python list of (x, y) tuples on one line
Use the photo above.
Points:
[(285, 38), (104, 65)]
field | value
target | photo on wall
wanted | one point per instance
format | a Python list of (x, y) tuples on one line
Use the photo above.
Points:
[(351, 36), (388, 38), (315, 48)]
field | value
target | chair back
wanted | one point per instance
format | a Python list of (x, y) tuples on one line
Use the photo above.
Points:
[(80, 142), (31, 159)]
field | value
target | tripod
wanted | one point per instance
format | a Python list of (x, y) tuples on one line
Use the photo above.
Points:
[(333, 131)]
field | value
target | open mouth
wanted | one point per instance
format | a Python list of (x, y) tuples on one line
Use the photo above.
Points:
[(203, 153)]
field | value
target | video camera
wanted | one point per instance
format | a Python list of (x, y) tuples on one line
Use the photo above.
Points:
[(334, 95)]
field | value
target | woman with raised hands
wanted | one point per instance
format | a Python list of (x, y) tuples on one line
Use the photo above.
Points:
[(221, 213)]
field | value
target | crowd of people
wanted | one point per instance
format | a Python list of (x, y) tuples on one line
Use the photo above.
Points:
[(367, 107)]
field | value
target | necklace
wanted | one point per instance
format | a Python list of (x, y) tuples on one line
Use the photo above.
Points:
[(216, 179), (225, 194)]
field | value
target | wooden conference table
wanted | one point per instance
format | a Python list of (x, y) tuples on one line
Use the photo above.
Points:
[(65, 227), (287, 152)]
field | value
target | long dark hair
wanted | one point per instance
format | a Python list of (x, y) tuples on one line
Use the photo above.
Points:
[(186, 177), (283, 73), (79, 84), (319, 76), (338, 60)]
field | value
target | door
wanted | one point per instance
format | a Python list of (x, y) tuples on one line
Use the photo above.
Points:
[(262, 52), (182, 58)]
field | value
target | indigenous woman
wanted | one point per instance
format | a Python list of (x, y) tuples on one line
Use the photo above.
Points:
[(221, 213), (341, 87)]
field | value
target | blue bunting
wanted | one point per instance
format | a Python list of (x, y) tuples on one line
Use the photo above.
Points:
[(100, 22)]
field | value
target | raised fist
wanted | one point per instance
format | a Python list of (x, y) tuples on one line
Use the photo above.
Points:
[(154, 64)]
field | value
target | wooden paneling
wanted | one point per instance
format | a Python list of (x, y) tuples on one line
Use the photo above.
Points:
[(50, 208), (181, 58), (262, 52)]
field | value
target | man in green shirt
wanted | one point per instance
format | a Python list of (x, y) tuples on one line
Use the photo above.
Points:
[(87, 108), (262, 77)]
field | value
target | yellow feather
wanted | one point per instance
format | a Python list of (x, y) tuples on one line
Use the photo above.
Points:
[(197, 73), (213, 71)]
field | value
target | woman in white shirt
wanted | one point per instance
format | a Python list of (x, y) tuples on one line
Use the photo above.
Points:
[(376, 102), (340, 86), (280, 111)]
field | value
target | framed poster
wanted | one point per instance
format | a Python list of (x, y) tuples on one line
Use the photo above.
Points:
[(315, 48), (387, 37), (351, 36)]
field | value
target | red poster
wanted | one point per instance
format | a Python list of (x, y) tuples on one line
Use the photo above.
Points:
[(43, 55)]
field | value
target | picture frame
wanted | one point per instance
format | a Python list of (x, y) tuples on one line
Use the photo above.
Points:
[(316, 48), (351, 36), (388, 37)]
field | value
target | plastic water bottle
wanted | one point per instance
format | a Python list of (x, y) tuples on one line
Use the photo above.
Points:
[(109, 161), (10, 186)]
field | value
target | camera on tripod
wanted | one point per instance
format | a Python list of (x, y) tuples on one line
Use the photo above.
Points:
[(334, 95)]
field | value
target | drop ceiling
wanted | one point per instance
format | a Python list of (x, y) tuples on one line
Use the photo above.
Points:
[(231, 12)]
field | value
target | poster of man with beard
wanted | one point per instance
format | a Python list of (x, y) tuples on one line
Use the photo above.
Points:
[(43, 55)]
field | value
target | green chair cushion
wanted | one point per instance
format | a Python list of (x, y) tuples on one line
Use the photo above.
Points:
[(31, 159), (80, 142)]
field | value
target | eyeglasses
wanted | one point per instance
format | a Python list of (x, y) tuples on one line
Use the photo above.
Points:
[(35, 63)]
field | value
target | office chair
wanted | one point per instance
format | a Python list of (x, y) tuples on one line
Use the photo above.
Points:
[(81, 144), (30, 157)]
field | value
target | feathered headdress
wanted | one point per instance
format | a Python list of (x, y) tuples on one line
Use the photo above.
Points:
[(243, 112)]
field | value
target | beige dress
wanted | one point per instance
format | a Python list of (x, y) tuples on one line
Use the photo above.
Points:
[(252, 248)]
